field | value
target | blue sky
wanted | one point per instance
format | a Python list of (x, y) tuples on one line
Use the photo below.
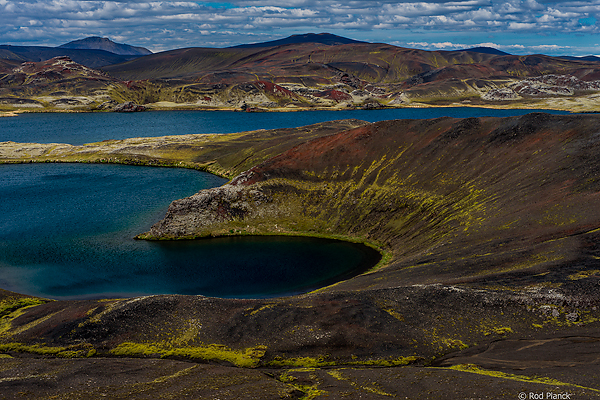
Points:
[(517, 26)]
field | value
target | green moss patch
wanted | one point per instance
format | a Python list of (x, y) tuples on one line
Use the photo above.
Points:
[(76, 351), (13, 307), (247, 358)]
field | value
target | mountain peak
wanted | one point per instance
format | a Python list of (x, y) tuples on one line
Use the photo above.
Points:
[(104, 43), (321, 38), (487, 50)]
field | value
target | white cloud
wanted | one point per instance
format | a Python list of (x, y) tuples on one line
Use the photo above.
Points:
[(507, 48), (182, 22)]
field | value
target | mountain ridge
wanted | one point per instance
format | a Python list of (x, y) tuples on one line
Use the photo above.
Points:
[(88, 57), (487, 50), (104, 43), (321, 38)]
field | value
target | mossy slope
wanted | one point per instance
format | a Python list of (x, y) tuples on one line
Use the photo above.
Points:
[(493, 229)]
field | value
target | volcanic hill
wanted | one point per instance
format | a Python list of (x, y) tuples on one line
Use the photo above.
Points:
[(490, 282)]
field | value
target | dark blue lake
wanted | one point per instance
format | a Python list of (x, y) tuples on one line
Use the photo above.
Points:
[(83, 128), (66, 231)]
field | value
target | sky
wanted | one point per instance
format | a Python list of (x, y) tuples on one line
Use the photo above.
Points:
[(517, 26)]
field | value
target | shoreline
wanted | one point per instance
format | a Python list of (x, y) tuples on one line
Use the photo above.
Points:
[(542, 105)]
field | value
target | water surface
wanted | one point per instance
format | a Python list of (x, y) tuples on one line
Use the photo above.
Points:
[(66, 232), (80, 128)]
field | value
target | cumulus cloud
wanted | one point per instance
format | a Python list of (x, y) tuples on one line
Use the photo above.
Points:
[(170, 24), (507, 48)]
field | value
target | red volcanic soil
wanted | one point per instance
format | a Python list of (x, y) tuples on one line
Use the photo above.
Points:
[(333, 94), (275, 90)]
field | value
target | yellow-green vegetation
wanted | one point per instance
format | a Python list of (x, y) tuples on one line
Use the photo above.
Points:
[(394, 314), (310, 391), (302, 362), (224, 155), (474, 369), (247, 358), (74, 351), (323, 361), (372, 388), (442, 343), (13, 307), (556, 315), (584, 274), (489, 329)]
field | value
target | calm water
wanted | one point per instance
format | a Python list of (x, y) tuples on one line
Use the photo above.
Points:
[(66, 232), (95, 127)]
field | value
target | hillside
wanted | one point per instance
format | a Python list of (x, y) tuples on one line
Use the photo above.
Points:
[(300, 72), (490, 229), (59, 83)]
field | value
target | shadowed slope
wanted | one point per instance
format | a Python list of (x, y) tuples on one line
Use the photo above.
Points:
[(377, 62)]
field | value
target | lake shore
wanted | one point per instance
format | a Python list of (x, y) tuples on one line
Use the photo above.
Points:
[(575, 104)]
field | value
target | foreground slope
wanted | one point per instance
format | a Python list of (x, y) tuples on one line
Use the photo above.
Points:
[(492, 284)]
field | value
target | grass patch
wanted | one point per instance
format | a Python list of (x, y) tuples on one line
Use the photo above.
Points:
[(321, 361), (77, 351), (247, 358), (474, 369), (13, 307)]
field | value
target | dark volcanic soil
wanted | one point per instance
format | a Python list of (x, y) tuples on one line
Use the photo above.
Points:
[(491, 286)]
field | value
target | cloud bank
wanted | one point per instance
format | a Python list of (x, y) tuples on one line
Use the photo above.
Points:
[(161, 25)]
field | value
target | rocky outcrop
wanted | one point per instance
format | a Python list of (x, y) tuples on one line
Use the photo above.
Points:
[(129, 106), (201, 214), (542, 86), (501, 94)]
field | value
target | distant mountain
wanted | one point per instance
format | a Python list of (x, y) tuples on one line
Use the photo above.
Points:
[(487, 50), (321, 38), (366, 62), (310, 59), (89, 58), (586, 58), (100, 43)]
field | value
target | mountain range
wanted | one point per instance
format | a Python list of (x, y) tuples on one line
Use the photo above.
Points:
[(302, 71)]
